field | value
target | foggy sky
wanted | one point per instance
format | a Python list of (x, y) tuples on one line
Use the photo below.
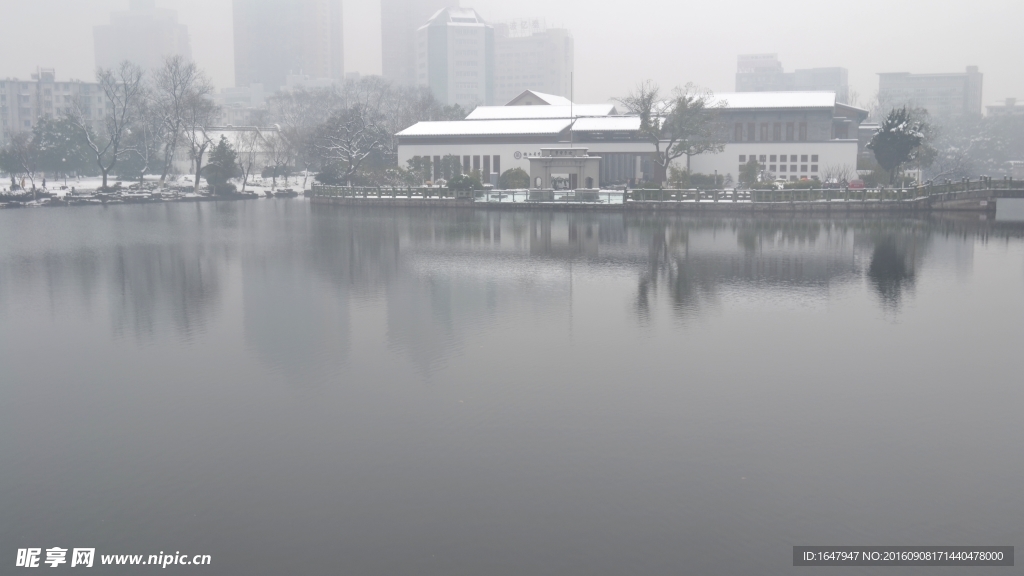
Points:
[(617, 43)]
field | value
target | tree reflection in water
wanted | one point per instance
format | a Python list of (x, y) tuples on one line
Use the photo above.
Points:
[(891, 272)]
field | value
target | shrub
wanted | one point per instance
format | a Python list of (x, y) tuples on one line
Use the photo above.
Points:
[(513, 179), (465, 182)]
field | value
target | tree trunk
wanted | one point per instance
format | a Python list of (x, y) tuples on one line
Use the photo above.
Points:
[(660, 172), (199, 169), (104, 172)]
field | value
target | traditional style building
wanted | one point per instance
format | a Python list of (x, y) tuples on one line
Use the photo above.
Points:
[(793, 135)]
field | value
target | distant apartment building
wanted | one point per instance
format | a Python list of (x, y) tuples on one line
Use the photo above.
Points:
[(144, 34), (530, 56), (455, 57), (1008, 107), (953, 94), (399, 20), (277, 38), (764, 73), (23, 103)]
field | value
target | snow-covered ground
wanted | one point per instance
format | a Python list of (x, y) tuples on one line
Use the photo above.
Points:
[(91, 184)]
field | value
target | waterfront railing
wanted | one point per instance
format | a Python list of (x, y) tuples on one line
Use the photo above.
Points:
[(944, 191)]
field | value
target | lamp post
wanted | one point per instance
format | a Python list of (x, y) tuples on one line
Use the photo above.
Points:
[(64, 169)]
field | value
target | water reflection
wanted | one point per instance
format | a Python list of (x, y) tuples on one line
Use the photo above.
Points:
[(444, 276)]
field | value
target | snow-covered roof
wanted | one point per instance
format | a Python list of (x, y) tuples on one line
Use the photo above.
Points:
[(540, 112), (549, 99), (777, 100), (607, 124), (487, 127)]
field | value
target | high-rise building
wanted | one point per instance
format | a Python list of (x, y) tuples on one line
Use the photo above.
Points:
[(399, 21), (951, 94), (530, 56), (455, 57), (144, 34), (276, 38), (23, 103), (764, 73)]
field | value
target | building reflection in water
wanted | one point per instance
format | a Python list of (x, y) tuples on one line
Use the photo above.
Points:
[(445, 277)]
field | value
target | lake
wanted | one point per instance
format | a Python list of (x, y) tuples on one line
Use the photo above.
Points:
[(321, 390)]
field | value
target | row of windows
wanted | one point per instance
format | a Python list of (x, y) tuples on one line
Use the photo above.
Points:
[(780, 158), (792, 168), (466, 63), (769, 132), (441, 168), (467, 73)]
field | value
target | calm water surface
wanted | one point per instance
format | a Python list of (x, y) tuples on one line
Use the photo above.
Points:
[(319, 391)]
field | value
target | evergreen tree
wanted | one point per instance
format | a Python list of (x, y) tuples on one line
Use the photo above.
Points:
[(898, 140), (221, 167)]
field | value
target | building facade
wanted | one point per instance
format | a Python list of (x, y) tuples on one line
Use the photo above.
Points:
[(793, 135), (954, 94), (23, 103), (144, 34), (399, 20), (455, 57), (764, 73), (530, 56), (1008, 107), (276, 38)]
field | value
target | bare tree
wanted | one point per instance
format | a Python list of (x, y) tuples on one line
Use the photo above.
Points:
[(840, 174), (357, 130), (198, 115), (21, 156), (299, 114), (684, 125), (177, 84), (122, 92), (248, 144), (278, 154)]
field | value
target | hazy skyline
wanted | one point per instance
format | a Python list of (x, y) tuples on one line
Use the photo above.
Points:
[(698, 43)]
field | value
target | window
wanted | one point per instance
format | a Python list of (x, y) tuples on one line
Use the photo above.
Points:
[(764, 132), (496, 163), (782, 168), (465, 165), (803, 131), (803, 167), (777, 132), (774, 157), (814, 167), (803, 158), (792, 167), (789, 132), (750, 132), (476, 163), (738, 133), (487, 169), (742, 158), (792, 158), (762, 158), (773, 168), (814, 157)]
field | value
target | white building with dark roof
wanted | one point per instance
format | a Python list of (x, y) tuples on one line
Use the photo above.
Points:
[(794, 135)]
